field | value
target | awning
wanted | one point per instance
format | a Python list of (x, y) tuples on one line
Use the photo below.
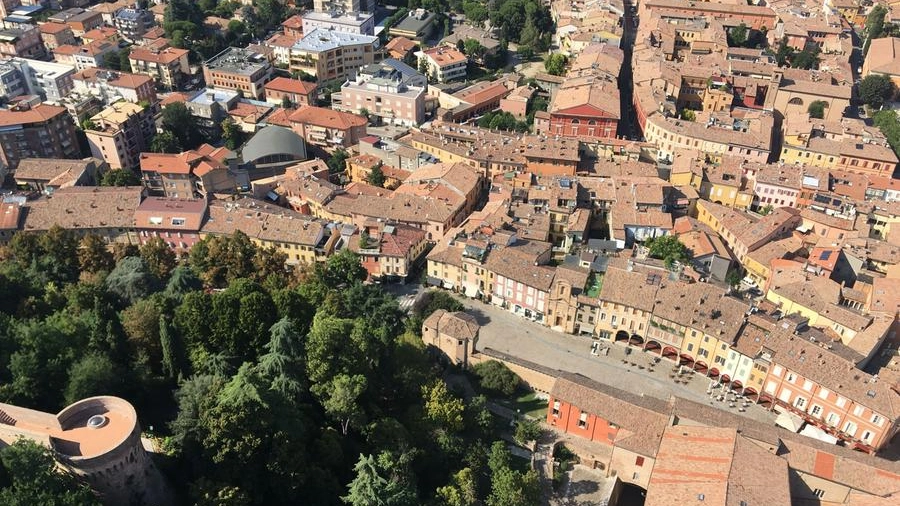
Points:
[(789, 421), (802, 229), (448, 285), (817, 433), (471, 291)]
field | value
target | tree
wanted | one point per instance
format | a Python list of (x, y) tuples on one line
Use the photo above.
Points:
[(669, 249), (33, 478), (159, 257), (124, 60), (120, 177), (94, 255), (733, 278), (874, 27), (165, 142), (286, 102), (342, 400), (170, 347), (512, 488), (688, 115), (875, 89), (112, 61), (766, 209), (183, 281), (285, 360), (344, 269), (376, 486), (376, 176), (232, 134), (336, 164), (462, 490), (473, 49), (783, 53), (442, 408), (476, 12), (496, 377), (95, 374), (887, 122), (177, 118), (737, 36), (806, 59), (527, 431), (141, 324), (555, 64), (131, 280), (816, 109)]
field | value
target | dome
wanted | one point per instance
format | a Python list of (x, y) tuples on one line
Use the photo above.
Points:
[(274, 143)]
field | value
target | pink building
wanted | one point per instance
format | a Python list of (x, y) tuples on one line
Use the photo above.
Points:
[(385, 93), (520, 284), (777, 185), (176, 221)]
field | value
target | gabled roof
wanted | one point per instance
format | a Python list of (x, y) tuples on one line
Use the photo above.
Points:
[(328, 118)]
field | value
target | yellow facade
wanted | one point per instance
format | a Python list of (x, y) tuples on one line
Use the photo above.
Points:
[(798, 154), (726, 195), (759, 272)]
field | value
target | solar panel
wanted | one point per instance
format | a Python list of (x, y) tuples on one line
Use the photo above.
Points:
[(825, 255)]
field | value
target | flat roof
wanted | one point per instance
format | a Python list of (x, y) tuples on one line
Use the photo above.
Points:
[(238, 61), (321, 39)]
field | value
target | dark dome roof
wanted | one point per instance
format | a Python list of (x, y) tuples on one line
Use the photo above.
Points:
[(274, 140)]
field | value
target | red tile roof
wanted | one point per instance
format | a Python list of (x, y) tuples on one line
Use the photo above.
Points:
[(327, 118), (288, 85)]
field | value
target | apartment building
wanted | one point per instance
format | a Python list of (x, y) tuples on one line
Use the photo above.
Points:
[(120, 133), (199, 172), (56, 34), (743, 232), (522, 280), (22, 42), (238, 69), (110, 86), (388, 251), (107, 212), (326, 127), (50, 81), (384, 92), (175, 221), (50, 174), (359, 23), (344, 5), (443, 63), (331, 55), (41, 131), (132, 24), (90, 55), (302, 239), (166, 66), (298, 93)]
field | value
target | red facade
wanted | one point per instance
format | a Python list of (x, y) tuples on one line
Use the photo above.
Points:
[(571, 420)]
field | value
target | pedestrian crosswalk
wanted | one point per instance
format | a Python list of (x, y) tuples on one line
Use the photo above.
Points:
[(406, 303)]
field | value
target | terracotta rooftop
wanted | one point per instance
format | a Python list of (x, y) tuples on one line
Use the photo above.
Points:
[(327, 118), (163, 56), (288, 85), (458, 325), (444, 56), (84, 208), (36, 114)]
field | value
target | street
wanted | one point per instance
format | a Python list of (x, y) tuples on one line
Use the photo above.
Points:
[(521, 338)]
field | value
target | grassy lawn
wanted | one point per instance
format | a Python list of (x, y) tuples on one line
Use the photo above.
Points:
[(527, 404)]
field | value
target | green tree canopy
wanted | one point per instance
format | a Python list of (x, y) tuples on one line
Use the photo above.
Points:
[(34, 479), (131, 280), (496, 377), (177, 118), (374, 485), (120, 177), (336, 164), (669, 249), (376, 176), (875, 89), (555, 64), (165, 142)]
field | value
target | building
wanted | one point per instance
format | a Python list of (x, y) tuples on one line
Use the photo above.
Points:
[(55, 35), (293, 26), (90, 55), (298, 93), (110, 86), (199, 172), (41, 131), (344, 5), (79, 20), (455, 334), (87, 210), (22, 42), (585, 107), (175, 221), (108, 10), (359, 23), (97, 440), (50, 174), (400, 47), (443, 63), (120, 133), (385, 93), (418, 25), (238, 69), (132, 24), (388, 251), (883, 59), (50, 81), (522, 280), (327, 127), (270, 150), (302, 239), (716, 466), (166, 66), (331, 55)]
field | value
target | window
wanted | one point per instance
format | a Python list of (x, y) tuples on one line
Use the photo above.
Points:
[(823, 393), (800, 402), (790, 377), (582, 420), (858, 411), (177, 222), (816, 410), (832, 419), (807, 385), (877, 420), (850, 429), (639, 461), (555, 409), (819, 493), (777, 370), (867, 436), (690, 347)]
